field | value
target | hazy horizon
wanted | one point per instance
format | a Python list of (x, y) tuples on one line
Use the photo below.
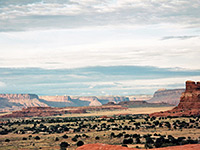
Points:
[(90, 47)]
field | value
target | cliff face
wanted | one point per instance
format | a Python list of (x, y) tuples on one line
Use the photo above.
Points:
[(12, 102), (56, 98), (167, 96), (17, 101), (189, 102), (190, 99), (63, 101)]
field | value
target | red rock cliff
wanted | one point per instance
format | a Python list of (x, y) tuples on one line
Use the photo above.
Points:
[(190, 99), (189, 102)]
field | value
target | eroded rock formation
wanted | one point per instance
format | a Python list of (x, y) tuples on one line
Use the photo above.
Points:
[(189, 102), (190, 99), (10, 102), (13, 102)]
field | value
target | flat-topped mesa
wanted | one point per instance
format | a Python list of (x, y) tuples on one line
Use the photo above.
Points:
[(171, 96), (56, 98)]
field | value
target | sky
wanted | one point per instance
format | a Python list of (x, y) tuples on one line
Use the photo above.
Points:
[(107, 47)]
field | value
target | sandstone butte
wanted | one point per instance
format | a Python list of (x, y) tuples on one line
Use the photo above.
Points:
[(99, 146), (189, 102)]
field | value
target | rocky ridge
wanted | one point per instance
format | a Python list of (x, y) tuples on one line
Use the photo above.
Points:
[(13, 102)]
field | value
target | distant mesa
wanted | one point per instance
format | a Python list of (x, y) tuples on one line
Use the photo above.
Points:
[(162, 89), (189, 102), (162, 97), (140, 97), (171, 96), (13, 102), (10, 102), (135, 104)]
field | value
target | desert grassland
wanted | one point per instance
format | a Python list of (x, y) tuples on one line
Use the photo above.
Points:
[(141, 110), (47, 141)]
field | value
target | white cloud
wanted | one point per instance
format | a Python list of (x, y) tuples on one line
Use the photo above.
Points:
[(81, 13), (2, 84), (123, 32), (149, 84), (99, 46)]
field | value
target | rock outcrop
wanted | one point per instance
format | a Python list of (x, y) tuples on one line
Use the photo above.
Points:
[(99, 146), (167, 96), (189, 102), (190, 99)]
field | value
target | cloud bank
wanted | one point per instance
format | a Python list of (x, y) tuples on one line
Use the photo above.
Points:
[(41, 14), (116, 80)]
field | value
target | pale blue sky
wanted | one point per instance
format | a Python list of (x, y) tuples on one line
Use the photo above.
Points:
[(68, 34)]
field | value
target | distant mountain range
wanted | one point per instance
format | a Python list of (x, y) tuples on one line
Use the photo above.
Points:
[(10, 102)]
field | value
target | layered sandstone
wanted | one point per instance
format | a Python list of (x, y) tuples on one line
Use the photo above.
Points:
[(18, 101), (190, 99), (189, 102), (56, 98), (170, 96), (13, 102)]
